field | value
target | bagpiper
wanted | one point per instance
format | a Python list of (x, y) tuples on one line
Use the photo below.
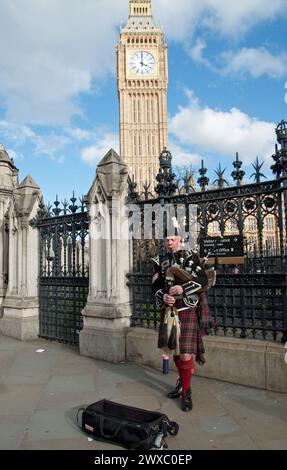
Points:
[(179, 283)]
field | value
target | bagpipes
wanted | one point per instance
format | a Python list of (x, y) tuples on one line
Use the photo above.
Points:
[(201, 280)]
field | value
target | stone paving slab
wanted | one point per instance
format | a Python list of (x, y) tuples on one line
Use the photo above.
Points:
[(12, 429), (19, 399), (199, 434), (67, 444), (40, 394)]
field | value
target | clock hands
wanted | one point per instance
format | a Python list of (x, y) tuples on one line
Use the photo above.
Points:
[(145, 65)]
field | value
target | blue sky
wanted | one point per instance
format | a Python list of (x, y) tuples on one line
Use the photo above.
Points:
[(58, 96)]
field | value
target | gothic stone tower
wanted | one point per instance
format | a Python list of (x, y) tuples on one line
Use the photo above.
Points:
[(142, 73)]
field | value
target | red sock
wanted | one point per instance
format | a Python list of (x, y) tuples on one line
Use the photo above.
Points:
[(186, 370), (185, 380), (176, 359)]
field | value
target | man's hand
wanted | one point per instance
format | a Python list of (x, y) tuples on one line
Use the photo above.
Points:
[(169, 300), (176, 290)]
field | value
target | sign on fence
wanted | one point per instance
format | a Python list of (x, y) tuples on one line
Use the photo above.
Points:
[(228, 248)]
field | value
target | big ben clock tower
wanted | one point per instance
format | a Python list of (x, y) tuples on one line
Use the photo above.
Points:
[(142, 73)]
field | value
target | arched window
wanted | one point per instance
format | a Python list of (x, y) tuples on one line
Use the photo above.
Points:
[(134, 111), (147, 111), (135, 145), (152, 109), (139, 110), (153, 144), (148, 144)]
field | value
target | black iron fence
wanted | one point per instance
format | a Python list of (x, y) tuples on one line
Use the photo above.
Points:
[(63, 269), (243, 305), (250, 298)]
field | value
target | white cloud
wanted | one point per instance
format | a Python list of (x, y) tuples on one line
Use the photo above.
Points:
[(222, 132), (246, 61), (196, 52), (16, 156), (50, 144), (235, 17), (182, 157), (256, 62), (226, 17), (51, 51), (18, 134), (45, 143), (54, 143), (94, 153), (79, 134)]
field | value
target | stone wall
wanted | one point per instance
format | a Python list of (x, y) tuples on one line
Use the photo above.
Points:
[(252, 363)]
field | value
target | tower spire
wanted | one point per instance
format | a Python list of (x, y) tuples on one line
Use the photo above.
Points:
[(140, 8)]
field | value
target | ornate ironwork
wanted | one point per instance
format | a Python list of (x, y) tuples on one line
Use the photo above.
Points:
[(133, 194), (203, 181), (257, 167), (277, 167), (281, 132), (238, 174), (146, 190), (280, 156), (43, 213), (167, 185), (64, 268), (221, 182)]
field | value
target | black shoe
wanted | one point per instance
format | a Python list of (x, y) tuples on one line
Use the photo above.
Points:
[(176, 392), (186, 401)]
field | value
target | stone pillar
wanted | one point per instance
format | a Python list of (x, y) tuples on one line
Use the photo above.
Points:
[(108, 310), (3, 248), (8, 182), (21, 305)]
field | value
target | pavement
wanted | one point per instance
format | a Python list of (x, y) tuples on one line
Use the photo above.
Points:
[(42, 385)]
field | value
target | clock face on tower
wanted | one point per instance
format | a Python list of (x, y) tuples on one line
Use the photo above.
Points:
[(142, 63)]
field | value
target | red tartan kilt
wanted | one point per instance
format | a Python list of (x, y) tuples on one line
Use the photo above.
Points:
[(190, 341)]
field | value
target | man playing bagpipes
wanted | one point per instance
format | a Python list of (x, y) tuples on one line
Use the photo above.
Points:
[(179, 283)]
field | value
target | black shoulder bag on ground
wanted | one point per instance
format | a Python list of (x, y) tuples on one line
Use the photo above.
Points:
[(129, 427)]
